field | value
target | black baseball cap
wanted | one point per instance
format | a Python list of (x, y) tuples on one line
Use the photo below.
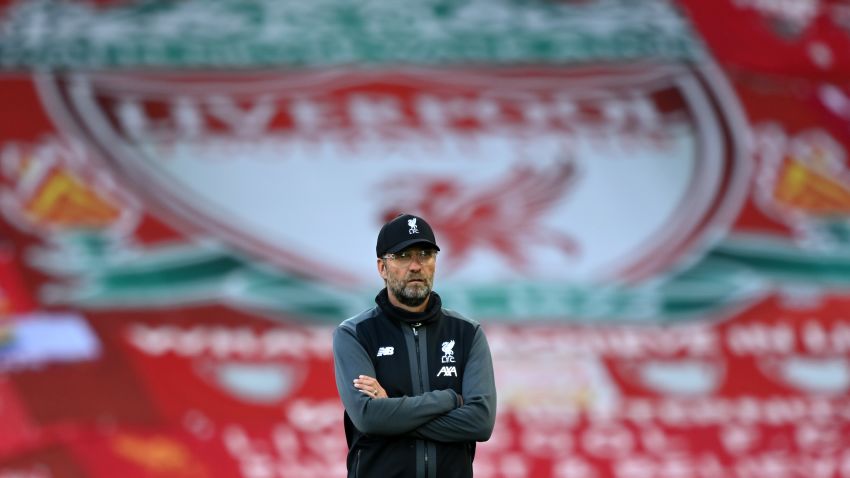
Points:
[(402, 232)]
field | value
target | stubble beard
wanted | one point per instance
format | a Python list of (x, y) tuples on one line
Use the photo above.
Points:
[(411, 295)]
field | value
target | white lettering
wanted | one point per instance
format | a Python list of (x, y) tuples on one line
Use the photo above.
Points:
[(251, 122), (447, 372), (574, 467), (608, 441), (312, 116), (369, 114), (761, 338), (820, 338), (738, 439), (218, 341), (376, 113), (606, 341), (547, 443), (188, 116)]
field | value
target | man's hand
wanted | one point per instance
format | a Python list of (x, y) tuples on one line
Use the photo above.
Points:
[(369, 386)]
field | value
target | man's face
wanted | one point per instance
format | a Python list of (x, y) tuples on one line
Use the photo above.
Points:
[(409, 274)]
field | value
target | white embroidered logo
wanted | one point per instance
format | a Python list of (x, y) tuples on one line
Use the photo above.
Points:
[(384, 351), (413, 228), (447, 372), (448, 353)]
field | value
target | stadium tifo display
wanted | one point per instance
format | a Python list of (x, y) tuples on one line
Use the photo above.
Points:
[(647, 208)]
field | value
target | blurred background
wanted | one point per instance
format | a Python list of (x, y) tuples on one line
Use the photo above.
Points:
[(646, 204)]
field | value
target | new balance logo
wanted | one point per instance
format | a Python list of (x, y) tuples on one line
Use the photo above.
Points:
[(447, 372), (382, 351)]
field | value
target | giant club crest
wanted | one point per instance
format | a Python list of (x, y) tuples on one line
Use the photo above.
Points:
[(572, 174)]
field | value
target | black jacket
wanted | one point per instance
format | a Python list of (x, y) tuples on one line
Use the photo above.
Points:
[(426, 362)]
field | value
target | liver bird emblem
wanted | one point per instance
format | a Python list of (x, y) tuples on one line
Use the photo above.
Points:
[(503, 216)]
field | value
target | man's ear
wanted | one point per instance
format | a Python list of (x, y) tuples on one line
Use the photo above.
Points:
[(382, 268)]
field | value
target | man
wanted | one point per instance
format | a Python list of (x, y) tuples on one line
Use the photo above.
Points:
[(416, 379)]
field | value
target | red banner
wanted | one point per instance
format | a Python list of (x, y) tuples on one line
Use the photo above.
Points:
[(646, 206)]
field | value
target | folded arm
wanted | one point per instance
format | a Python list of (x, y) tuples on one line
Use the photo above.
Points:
[(384, 416), (475, 419)]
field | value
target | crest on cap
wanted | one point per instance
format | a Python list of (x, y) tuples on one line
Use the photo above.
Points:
[(402, 232)]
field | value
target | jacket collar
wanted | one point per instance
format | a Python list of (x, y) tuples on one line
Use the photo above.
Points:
[(430, 314)]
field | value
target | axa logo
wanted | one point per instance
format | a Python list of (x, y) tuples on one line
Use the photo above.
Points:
[(447, 371), (414, 229), (448, 352), (384, 351)]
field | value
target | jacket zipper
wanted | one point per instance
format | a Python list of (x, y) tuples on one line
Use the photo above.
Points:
[(357, 464), (418, 360), (415, 328)]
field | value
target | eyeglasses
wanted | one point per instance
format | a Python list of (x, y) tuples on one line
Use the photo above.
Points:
[(404, 258)]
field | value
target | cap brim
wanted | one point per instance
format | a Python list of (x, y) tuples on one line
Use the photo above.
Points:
[(404, 245)]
